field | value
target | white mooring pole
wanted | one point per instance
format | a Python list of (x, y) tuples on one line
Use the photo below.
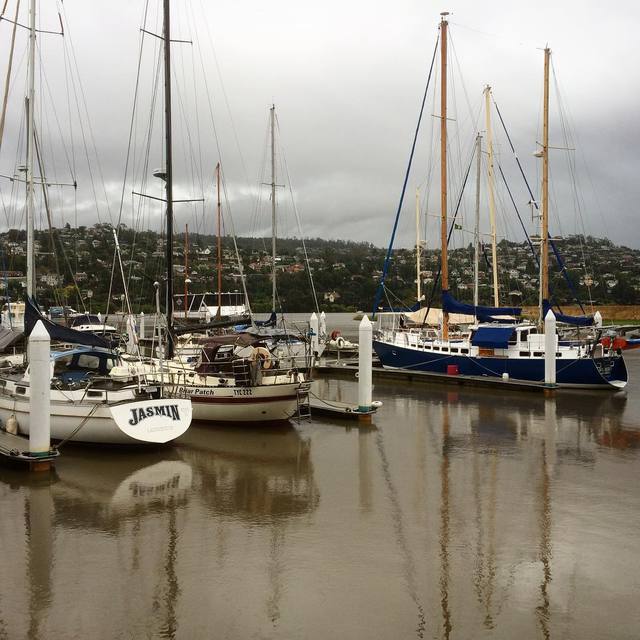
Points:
[(141, 325), (323, 325), (550, 346), (40, 390), (365, 362), (313, 330)]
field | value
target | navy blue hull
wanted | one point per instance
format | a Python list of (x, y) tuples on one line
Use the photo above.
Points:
[(583, 372)]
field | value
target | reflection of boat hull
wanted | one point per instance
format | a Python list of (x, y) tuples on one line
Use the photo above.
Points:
[(262, 403), (578, 372)]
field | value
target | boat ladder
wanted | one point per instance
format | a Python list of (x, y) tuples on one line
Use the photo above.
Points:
[(303, 411)]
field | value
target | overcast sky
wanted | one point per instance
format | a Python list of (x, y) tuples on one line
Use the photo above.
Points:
[(347, 79)]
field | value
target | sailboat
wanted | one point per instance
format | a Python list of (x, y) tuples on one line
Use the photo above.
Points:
[(504, 350), (234, 378), (86, 406)]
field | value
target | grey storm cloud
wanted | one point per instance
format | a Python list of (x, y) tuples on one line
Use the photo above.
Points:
[(347, 80)]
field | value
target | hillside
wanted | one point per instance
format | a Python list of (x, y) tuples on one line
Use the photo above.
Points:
[(78, 262)]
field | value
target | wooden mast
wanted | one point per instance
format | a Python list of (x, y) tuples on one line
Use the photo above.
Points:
[(219, 247), (492, 200), (476, 232), (544, 231), (443, 167)]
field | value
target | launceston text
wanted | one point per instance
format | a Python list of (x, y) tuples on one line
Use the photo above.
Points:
[(140, 414)]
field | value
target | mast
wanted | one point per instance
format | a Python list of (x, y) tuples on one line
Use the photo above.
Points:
[(219, 247), (544, 231), (492, 201), (476, 234), (186, 271), (419, 293), (31, 275), (273, 206), (169, 174), (443, 167)]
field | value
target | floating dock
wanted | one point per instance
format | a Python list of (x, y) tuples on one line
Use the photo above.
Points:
[(16, 449), (346, 369)]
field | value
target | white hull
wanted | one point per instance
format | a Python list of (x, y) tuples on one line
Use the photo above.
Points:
[(69, 410), (268, 403)]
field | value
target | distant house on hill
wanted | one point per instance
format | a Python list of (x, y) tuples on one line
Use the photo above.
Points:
[(331, 296)]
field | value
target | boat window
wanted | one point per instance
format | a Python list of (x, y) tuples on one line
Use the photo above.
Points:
[(513, 338), (533, 331), (21, 390), (435, 348), (524, 354), (88, 361), (524, 335), (538, 354), (61, 365), (454, 350), (464, 350)]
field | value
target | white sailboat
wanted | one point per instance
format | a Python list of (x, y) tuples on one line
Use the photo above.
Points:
[(86, 406)]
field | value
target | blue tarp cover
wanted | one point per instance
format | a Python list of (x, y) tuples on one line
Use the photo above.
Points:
[(578, 321), (450, 304), (492, 337)]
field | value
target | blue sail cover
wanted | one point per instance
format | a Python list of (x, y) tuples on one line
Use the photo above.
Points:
[(57, 332), (484, 314), (492, 337), (578, 321)]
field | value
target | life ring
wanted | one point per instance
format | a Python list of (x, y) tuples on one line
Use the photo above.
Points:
[(340, 342), (334, 334), (264, 357)]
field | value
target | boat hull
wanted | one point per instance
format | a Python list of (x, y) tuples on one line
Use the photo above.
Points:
[(260, 404), (99, 426), (579, 372)]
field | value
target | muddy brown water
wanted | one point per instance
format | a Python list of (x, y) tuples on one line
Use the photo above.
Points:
[(459, 514)]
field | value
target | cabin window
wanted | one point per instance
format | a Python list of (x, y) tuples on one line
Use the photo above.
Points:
[(435, 348), (523, 336), (513, 338), (558, 355), (524, 354), (454, 350), (88, 361), (464, 350), (538, 354), (61, 365), (21, 390), (94, 394)]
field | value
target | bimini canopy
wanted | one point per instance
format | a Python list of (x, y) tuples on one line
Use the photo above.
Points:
[(492, 337), (578, 321), (484, 314)]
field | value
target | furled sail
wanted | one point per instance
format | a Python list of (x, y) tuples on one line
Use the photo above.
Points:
[(578, 321), (484, 314), (57, 332)]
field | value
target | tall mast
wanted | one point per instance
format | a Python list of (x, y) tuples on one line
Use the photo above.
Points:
[(169, 173), (443, 167), (273, 206), (492, 201), (544, 231), (419, 293), (186, 270), (31, 271), (219, 248), (476, 233)]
